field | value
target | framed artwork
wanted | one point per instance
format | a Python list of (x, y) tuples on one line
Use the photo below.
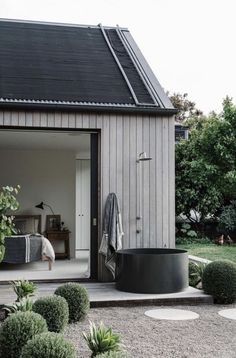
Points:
[(53, 222)]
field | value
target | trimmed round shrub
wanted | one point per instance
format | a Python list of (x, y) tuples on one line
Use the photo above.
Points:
[(54, 310), (219, 280), (17, 329), (50, 344), (77, 299)]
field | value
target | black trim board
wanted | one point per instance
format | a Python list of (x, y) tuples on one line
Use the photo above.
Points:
[(94, 206)]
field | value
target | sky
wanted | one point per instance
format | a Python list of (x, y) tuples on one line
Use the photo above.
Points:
[(189, 44)]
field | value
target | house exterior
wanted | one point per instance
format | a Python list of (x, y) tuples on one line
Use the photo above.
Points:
[(95, 80)]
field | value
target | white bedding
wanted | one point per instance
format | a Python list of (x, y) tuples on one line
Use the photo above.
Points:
[(47, 249)]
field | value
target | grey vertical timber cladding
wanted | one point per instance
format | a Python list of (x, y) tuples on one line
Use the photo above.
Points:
[(171, 175), (123, 137), (132, 182), (152, 180), (145, 190), (125, 203), (139, 140), (165, 181)]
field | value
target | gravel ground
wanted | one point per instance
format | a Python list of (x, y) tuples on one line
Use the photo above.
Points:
[(210, 336)]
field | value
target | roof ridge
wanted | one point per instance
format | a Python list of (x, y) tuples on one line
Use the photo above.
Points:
[(65, 24)]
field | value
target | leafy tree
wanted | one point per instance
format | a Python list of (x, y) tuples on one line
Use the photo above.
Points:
[(8, 203), (187, 109), (206, 166), (227, 219)]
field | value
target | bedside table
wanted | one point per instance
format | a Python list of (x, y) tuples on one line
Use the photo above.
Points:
[(54, 236)]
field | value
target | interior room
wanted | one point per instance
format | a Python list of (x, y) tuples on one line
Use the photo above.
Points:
[(53, 171)]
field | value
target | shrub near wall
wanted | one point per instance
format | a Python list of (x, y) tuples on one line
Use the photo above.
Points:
[(16, 330), (54, 310), (219, 280), (77, 299)]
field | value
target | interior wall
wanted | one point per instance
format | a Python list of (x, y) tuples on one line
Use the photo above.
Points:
[(44, 175)]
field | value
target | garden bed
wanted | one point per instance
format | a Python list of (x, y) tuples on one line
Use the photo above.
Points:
[(209, 336)]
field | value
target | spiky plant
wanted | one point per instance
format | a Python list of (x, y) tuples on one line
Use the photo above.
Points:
[(24, 305), (23, 288), (195, 273), (101, 339)]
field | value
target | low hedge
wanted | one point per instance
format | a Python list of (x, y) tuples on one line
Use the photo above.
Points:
[(54, 310)]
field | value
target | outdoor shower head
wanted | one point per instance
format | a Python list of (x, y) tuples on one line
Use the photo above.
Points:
[(143, 157)]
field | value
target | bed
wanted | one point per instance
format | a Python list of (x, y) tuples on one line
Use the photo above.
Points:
[(28, 244)]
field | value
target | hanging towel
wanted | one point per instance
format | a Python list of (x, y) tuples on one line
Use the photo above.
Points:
[(112, 232)]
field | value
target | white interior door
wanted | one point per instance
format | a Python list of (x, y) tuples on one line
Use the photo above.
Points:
[(83, 204)]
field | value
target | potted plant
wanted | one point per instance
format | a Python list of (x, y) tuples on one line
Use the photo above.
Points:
[(8, 203)]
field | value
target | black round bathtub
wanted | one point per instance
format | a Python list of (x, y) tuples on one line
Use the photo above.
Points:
[(151, 270)]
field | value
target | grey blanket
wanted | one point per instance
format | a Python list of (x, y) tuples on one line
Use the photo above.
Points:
[(22, 249)]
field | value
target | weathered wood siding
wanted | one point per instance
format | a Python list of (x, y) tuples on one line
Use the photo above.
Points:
[(123, 137)]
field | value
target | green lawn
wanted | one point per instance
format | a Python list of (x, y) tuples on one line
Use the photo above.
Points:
[(210, 251)]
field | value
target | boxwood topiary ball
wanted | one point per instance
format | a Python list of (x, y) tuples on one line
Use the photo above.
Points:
[(17, 329), (54, 310), (77, 299), (50, 344), (219, 280)]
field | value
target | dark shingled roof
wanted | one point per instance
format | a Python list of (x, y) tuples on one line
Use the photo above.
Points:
[(69, 65)]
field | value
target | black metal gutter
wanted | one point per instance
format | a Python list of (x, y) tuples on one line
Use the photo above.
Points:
[(87, 108)]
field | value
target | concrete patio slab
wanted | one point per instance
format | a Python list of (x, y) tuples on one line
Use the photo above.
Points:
[(105, 294)]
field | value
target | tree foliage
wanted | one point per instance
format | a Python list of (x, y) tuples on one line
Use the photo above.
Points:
[(8, 203), (227, 219), (206, 165), (187, 109)]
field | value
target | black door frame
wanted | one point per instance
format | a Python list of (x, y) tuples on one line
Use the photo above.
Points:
[(95, 152), (95, 200)]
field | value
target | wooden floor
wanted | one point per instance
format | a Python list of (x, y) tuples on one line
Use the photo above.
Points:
[(105, 294)]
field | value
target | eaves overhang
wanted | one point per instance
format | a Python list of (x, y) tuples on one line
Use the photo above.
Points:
[(83, 107)]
